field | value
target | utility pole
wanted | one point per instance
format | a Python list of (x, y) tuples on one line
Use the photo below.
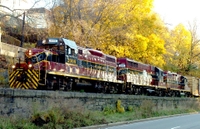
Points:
[(20, 53), (23, 23)]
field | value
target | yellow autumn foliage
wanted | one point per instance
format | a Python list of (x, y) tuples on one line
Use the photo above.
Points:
[(126, 28), (119, 107), (178, 49)]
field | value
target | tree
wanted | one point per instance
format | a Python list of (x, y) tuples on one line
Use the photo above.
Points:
[(11, 24), (137, 32), (78, 20), (178, 49), (120, 28), (194, 54)]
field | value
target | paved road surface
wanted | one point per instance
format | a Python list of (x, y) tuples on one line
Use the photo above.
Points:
[(191, 121)]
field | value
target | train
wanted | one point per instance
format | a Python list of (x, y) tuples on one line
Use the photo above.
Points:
[(60, 64)]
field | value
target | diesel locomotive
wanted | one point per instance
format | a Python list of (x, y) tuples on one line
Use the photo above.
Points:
[(59, 64)]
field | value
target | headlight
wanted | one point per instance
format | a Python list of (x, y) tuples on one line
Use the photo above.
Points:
[(13, 66), (30, 65), (29, 52)]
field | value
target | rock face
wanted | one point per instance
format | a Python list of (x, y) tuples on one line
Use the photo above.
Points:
[(3, 71)]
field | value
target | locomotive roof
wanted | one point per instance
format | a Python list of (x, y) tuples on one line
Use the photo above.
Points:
[(58, 41), (110, 56), (70, 43), (92, 51), (125, 58)]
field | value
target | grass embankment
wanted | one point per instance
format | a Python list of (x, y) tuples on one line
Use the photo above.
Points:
[(65, 118)]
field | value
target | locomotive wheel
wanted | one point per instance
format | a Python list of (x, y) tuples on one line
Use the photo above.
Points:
[(68, 87), (137, 91)]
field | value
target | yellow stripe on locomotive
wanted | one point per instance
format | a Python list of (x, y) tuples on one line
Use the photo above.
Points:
[(22, 77)]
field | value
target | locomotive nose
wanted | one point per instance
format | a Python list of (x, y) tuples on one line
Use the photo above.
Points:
[(23, 79)]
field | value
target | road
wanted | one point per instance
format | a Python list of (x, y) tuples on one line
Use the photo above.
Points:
[(191, 121)]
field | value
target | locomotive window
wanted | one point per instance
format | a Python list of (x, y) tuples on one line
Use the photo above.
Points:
[(130, 63), (122, 71), (33, 60), (37, 58), (110, 59), (135, 65), (62, 48), (41, 57), (66, 51), (69, 51), (73, 52)]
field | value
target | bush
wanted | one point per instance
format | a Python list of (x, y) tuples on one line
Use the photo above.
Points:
[(120, 108), (109, 110), (3, 77), (130, 108)]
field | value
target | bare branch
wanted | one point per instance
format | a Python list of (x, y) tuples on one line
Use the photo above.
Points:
[(6, 8)]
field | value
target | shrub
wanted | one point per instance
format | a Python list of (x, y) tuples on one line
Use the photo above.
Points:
[(3, 77), (120, 108), (109, 110), (130, 108)]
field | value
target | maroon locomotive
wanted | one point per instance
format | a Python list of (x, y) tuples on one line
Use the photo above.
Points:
[(142, 78), (59, 64)]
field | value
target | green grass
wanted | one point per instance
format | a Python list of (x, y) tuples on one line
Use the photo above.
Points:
[(53, 119), (63, 117)]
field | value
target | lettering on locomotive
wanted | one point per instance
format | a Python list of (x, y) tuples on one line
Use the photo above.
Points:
[(72, 61)]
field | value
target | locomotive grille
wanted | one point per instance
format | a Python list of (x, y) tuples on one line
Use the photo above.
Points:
[(24, 79)]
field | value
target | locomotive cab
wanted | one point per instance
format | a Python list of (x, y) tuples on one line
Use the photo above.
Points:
[(66, 49), (158, 77), (49, 57), (122, 71), (182, 82)]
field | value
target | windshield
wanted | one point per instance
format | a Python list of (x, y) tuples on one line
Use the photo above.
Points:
[(36, 59), (122, 71)]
